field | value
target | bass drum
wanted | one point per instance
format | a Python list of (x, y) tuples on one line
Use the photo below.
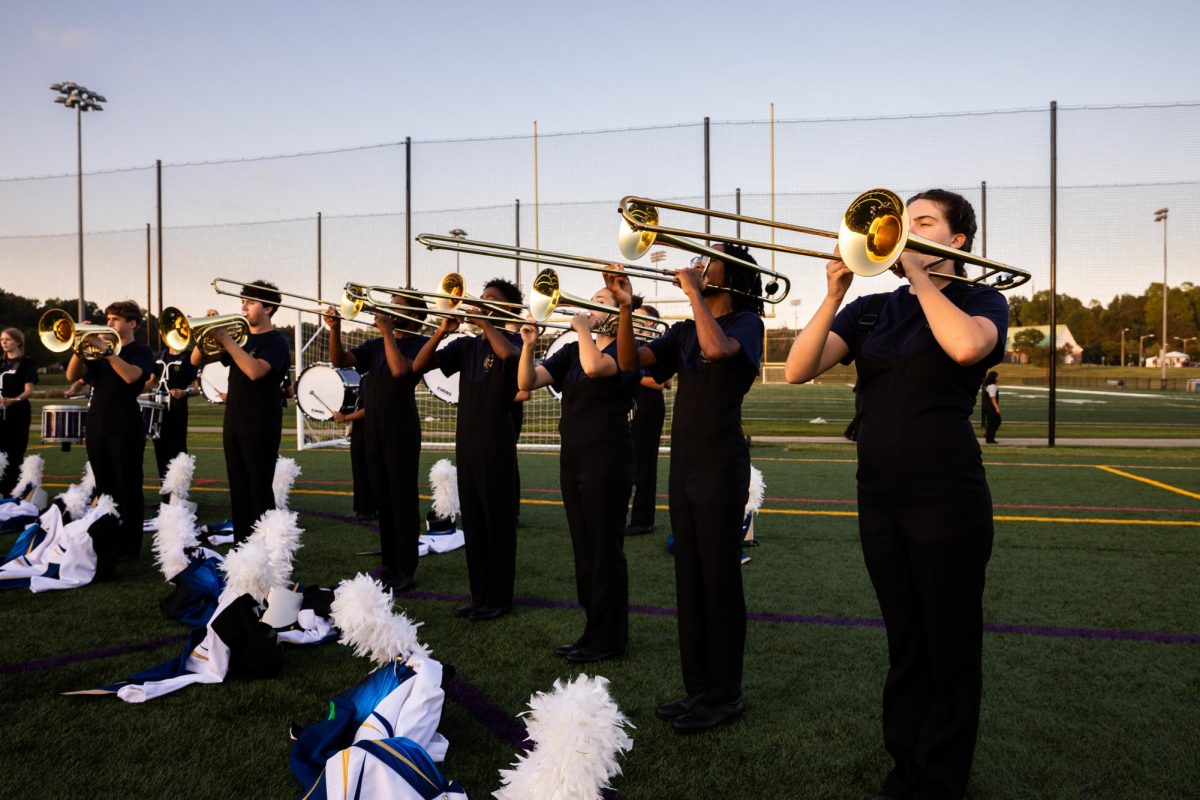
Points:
[(442, 386), (214, 381), (560, 341), (323, 389)]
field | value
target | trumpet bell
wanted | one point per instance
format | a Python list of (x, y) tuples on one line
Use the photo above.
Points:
[(873, 233), (635, 243)]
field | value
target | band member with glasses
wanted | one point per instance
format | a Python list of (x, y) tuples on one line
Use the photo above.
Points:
[(172, 380), (115, 438), (716, 356), (18, 376), (391, 432), (253, 421), (649, 413), (924, 506), (485, 448), (595, 471)]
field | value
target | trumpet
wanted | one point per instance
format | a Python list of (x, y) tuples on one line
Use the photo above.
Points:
[(349, 307), (547, 297), (181, 332), (873, 234), (59, 333)]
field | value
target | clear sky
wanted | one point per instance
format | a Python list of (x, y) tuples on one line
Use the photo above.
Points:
[(194, 81), (218, 80)]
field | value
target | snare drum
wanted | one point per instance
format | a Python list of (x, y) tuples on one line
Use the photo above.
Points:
[(442, 386), (152, 417), (214, 381), (323, 389), (66, 424)]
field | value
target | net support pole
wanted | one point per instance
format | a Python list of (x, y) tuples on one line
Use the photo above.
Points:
[(298, 345), (159, 224), (537, 205), (1053, 271), (149, 342), (707, 179), (318, 255), (408, 212), (983, 215), (517, 237), (737, 209)]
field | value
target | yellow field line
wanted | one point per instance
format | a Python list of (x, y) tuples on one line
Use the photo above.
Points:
[(1157, 484)]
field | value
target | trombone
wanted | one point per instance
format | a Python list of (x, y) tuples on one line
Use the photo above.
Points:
[(873, 234), (59, 333), (546, 297), (180, 331), (349, 307), (450, 295)]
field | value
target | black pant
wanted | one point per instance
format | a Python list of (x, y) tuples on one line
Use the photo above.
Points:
[(486, 491), (929, 580), (172, 436), (991, 424), (394, 463), (250, 454), (706, 519), (595, 491), (364, 497), (115, 449), (14, 440), (647, 435)]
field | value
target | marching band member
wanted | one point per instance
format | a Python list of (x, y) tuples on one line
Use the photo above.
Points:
[(924, 507), (360, 476), (595, 471), (116, 440), (485, 449), (18, 375), (649, 413), (173, 380), (392, 433), (253, 415), (716, 357)]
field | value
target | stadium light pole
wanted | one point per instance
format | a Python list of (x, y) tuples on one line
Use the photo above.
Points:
[(82, 99), (457, 233), (1141, 339), (1123, 332), (1161, 216), (1183, 341)]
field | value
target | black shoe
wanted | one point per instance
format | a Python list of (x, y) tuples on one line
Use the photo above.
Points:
[(487, 613), (463, 612), (399, 581), (677, 708), (638, 530), (705, 716), (586, 655), (563, 649)]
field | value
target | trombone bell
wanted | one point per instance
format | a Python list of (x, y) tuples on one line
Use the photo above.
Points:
[(874, 232), (635, 243)]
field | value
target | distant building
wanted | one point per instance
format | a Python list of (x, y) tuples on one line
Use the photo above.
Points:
[(1064, 337), (1174, 359)]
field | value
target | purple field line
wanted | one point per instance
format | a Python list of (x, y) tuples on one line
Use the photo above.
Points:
[(74, 658), (488, 713)]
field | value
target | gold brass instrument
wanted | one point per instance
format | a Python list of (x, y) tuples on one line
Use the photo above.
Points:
[(181, 332), (349, 307), (546, 298), (450, 295), (59, 333), (873, 234)]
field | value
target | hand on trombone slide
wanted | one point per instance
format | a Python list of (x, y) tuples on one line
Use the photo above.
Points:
[(619, 285)]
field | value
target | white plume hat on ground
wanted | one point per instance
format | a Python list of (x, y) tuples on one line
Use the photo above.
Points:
[(443, 480), (362, 611), (286, 472)]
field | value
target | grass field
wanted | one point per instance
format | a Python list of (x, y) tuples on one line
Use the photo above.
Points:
[(1091, 660)]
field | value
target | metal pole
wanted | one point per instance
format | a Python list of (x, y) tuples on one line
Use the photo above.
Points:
[(707, 179), (983, 213), (517, 220), (408, 212), (1053, 270), (1162, 358), (318, 255), (537, 205), (772, 187), (79, 193), (149, 310), (737, 209), (1123, 346), (159, 216)]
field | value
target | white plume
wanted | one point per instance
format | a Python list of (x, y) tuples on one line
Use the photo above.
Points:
[(286, 472), (577, 733), (31, 475), (89, 480), (754, 499), (280, 532), (3, 463), (443, 479), (176, 533), (105, 506), (178, 480), (75, 500), (248, 569), (362, 611)]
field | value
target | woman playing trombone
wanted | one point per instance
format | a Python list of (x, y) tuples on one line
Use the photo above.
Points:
[(924, 507), (595, 471)]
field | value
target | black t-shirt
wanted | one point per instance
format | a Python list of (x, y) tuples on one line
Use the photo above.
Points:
[(486, 389), (247, 399), (390, 404), (114, 402), (15, 373), (178, 368), (594, 410)]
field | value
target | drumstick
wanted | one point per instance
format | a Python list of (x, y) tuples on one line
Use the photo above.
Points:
[(322, 402)]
